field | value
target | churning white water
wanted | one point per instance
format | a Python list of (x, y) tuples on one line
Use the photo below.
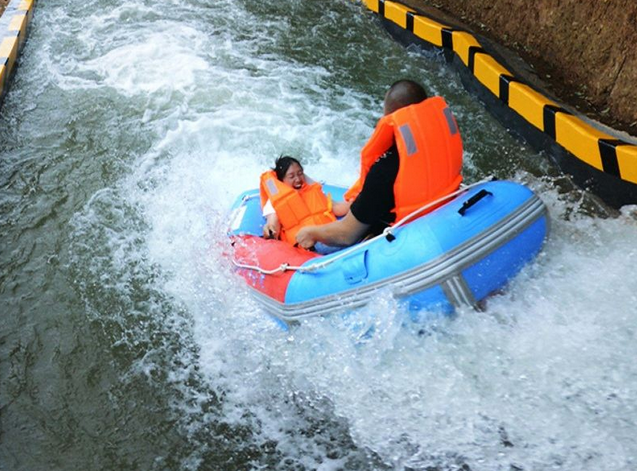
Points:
[(135, 125)]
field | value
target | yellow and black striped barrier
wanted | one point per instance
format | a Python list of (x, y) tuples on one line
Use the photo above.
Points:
[(599, 161), (13, 32)]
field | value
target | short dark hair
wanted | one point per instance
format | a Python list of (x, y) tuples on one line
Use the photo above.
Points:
[(404, 93), (282, 164)]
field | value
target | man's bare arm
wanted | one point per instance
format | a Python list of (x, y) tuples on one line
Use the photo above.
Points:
[(341, 233)]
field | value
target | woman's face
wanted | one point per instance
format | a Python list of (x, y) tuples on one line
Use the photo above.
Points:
[(294, 176)]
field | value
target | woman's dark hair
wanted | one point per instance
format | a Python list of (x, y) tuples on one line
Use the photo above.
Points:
[(282, 164)]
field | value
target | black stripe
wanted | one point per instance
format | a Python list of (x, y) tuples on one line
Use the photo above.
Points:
[(505, 80), (473, 50), (381, 8), (608, 152), (549, 119), (4, 61), (410, 21), (447, 38)]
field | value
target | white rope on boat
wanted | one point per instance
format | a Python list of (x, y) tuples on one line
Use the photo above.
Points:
[(387, 233)]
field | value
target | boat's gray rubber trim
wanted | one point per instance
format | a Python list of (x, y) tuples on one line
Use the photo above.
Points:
[(445, 270), (458, 292)]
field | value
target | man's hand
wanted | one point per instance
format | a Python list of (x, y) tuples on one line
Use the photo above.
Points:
[(305, 237)]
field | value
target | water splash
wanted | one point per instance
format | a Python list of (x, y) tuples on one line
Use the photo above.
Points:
[(147, 123)]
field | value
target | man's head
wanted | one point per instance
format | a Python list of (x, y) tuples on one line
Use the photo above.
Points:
[(403, 93)]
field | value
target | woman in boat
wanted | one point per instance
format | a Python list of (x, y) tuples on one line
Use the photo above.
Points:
[(291, 200)]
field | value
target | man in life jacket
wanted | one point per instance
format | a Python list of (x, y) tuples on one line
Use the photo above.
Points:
[(291, 200), (414, 157)]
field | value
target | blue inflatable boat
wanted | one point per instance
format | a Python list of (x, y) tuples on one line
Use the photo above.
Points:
[(456, 255)]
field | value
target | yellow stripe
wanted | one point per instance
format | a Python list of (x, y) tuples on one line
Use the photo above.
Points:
[(488, 71), (397, 13), (528, 103), (25, 5), (462, 41), (372, 5), (627, 160), (429, 30), (579, 138), (3, 73), (9, 48), (18, 23)]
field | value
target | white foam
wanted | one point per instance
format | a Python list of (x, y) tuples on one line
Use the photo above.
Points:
[(162, 59), (542, 379)]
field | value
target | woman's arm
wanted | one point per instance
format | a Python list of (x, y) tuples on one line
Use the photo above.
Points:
[(272, 227)]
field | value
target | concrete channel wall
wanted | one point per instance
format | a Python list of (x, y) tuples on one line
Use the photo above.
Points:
[(599, 159), (13, 32)]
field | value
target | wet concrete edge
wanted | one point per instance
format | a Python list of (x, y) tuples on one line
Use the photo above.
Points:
[(14, 25)]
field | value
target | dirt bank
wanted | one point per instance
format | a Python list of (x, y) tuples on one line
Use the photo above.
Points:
[(583, 49)]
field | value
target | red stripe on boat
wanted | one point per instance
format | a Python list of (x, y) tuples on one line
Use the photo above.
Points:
[(268, 255)]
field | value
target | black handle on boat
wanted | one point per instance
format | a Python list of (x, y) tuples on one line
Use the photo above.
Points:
[(473, 200)]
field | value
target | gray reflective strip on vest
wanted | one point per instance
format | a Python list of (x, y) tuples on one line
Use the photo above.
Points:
[(271, 186), (453, 128), (408, 137)]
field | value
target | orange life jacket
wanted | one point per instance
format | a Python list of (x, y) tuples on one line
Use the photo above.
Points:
[(295, 209), (430, 152)]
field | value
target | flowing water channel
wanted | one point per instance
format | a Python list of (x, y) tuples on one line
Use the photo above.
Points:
[(126, 341)]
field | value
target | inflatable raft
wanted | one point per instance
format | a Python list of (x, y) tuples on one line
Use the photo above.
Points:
[(455, 255)]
